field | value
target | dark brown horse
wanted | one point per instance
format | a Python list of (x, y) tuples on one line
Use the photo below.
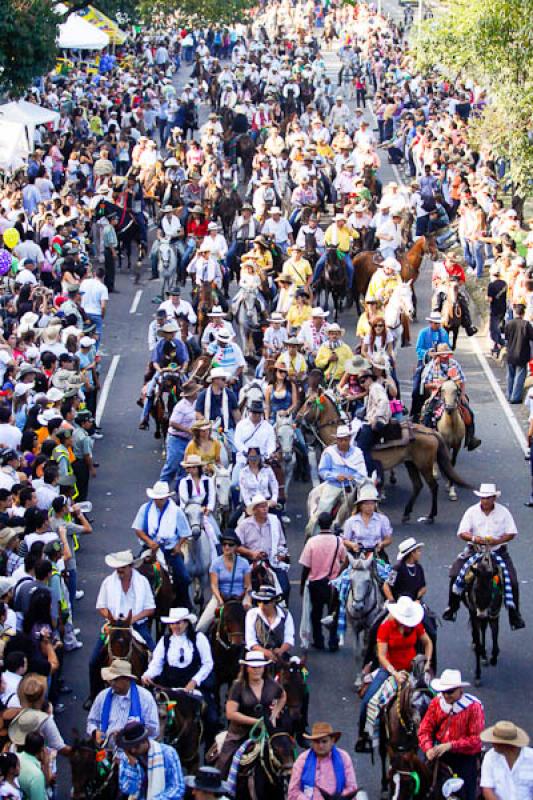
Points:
[(94, 772), (200, 368), (161, 585), (292, 677), (227, 643), (227, 204), (166, 396), (121, 643), (333, 281), (265, 771), (206, 301), (180, 717)]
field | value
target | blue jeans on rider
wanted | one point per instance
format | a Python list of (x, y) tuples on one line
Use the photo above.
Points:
[(378, 681), (283, 578), (188, 253), (321, 263), (422, 225), (141, 222), (180, 577), (176, 446)]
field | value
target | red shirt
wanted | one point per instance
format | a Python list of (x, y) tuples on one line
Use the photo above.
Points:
[(456, 271), (197, 228), (401, 649), (462, 729)]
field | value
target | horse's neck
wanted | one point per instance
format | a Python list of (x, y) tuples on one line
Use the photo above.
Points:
[(393, 310)]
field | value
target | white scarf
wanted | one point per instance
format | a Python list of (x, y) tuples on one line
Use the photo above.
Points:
[(225, 406), (460, 705), (156, 771)]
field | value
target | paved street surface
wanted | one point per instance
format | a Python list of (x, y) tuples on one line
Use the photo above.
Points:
[(130, 461)]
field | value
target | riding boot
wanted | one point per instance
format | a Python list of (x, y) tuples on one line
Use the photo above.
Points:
[(471, 441), (515, 619), (454, 604)]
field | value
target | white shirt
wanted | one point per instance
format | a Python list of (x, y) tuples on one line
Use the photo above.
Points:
[(138, 598), (247, 435), (508, 784), (11, 681), (250, 624), (94, 293), (174, 311), (280, 230), (493, 525), (46, 495), (10, 436), (180, 654)]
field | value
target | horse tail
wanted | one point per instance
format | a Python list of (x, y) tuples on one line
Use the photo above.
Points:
[(445, 464)]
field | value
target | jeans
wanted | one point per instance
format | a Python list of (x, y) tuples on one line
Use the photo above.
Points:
[(176, 446), (97, 320), (474, 253), (72, 585), (379, 680), (283, 578), (516, 377), (495, 330), (321, 263)]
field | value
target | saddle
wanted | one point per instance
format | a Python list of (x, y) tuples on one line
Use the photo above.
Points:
[(395, 434)]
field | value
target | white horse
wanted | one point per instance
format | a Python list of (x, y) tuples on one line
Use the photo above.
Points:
[(167, 264), (254, 390), (285, 434), (222, 486), (400, 303), (365, 599), (197, 554), (245, 307)]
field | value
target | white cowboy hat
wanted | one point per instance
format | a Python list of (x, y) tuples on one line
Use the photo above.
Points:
[(122, 558), (179, 615), (340, 217), (406, 611), (366, 492), (487, 490), (256, 500), (159, 491), (218, 372), (392, 263), (213, 226), (166, 209), (407, 546), (342, 432), (48, 415), (335, 328), (380, 360), (192, 460), (277, 317), (216, 311), (86, 341), (54, 395), (224, 335), (450, 679), (505, 732), (319, 312), (254, 659), (435, 316), (275, 210)]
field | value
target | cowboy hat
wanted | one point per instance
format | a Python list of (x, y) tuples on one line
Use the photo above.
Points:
[(216, 311), (8, 534), (257, 499), (266, 594), (47, 416), (208, 780), (320, 730), (505, 732), (406, 611), (276, 317), (392, 263), (487, 490), (293, 340), (6, 584), (356, 365), (435, 317), (407, 546), (168, 327), (379, 361), (229, 535), (254, 659), (334, 327), (342, 432), (31, 689), (450, 679), (201, 424), (340, 217), (256, 406), (167, 209), (159, 491), (441, 349), (190, 388), (319, 312), (179, 615), (197, 210), (119, 668), (122, 558), (284, 278), (218, 372), (131, 735), (28, 721), (275, 210), (367, 492), (223, 335), (192, 460)]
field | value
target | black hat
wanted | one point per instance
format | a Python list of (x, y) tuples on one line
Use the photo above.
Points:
[(256, 406), (229, 535), (132, 734), (83, 416), (208, 779), (174, 292), (7, 455)]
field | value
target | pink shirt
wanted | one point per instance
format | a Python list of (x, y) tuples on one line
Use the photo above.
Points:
[(324, 777), (318, 554)]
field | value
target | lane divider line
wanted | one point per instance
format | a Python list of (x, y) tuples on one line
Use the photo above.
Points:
[(106, 389), (136, 301)]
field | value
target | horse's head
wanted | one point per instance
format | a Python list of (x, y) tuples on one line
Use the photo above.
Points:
[(120, 637), (91, 767), (195, 515), (282, 754), (361, 583), (485, 581), (223, 486), (311, 408), (450, 394), (285, 433), (292, 676), (231, 618), (405, 298)]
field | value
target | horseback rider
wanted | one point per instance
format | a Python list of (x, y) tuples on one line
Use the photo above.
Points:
[(443, 366), (367, 529), (161, 525), (219, 402), (397, 639), (490, 524), (333, 355), (175, 306), (269, 629), (428, 340), (338, 235), (244, 231), (169, 354), (230, 578), (451, 727), (253, 431), (377, 417), (389, 233), (121, 702), (262, 537), (182, 659), (323, 768), (341, 466), (384, 281), (217, 321)]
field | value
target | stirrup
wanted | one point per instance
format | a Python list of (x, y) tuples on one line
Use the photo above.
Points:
[(364, 744)]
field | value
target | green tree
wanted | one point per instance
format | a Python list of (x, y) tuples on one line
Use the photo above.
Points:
[(198, 12), (491, 43), (28, 30)]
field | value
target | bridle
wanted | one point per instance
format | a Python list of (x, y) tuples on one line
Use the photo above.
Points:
[(226, 645), (112, 655), (93, 788)]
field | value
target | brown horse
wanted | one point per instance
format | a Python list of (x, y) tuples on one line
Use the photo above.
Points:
[(333, 281), (206, 301), (292, 677), (180, 717), (161, 585), (94, 771), (166, 396), (121, 643), (200, 368), (364, 265), (425, 449), (227, 643)]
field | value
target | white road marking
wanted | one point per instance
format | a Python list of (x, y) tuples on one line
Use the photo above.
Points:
[(136, 300), (313, 466), (106, 389), (495, 386)]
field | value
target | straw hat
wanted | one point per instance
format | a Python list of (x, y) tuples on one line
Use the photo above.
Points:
[(505, 732), (406, 611), (343, 432), (335, 328), (119, 668), (407, 546), (159, 491), (256, 500), (367, 492), (450, 679), (319, 312), (254, 659), (190, 388), (28, 721), (179, 615), (487, 490), (201, 424), (320, 730), (392, 263), (192, 460), (218, 372), (32, 689), (441, 349), (122, 558), (168, 327)]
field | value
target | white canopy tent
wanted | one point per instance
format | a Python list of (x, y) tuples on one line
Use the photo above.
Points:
[(27, 115), (78, 34), (14, 144)]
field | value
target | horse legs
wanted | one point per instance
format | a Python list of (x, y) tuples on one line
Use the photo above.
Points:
[(452, 494), (414, 304), (476, 642), (495, 629), (433, 486), (416, 481)]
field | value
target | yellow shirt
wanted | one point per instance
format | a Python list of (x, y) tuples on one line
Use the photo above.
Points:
[(363, 326), (325, 151), (299, 271), (340, 237), (297, 366), (381, 286), (209, 456), (297, 315), (263, 259), (335, 369)]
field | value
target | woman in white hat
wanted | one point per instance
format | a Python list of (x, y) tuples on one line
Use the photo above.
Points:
[(252, 696), (367, 529), (451, 727), (397, 640), (407, 575), (507, 769), (204, 445), (269, 628), (197, 488)]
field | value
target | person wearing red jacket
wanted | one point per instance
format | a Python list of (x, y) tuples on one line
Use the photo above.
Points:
[(451, 728)]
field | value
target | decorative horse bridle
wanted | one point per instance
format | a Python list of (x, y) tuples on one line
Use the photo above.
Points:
[(92, 788), (226, 645)]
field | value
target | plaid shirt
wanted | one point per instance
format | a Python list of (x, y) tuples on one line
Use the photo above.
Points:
[(13, 562), (132, 777)]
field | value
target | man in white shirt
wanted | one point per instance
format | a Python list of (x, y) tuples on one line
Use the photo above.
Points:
[(253, 431), (507, 769), (15, 667), (486, 523), (175, 307), (25, 274), (94, 299), (279, 228), (10, 435), (204, 268)]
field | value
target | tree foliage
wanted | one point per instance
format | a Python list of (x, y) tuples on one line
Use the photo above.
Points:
[(199, 12), (491, 43), (28, 30)]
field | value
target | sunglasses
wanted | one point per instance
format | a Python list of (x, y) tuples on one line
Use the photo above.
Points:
[(228, 544), (450, 691)]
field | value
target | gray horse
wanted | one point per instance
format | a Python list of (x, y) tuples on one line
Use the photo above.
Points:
[(197, 553), (365, 599)]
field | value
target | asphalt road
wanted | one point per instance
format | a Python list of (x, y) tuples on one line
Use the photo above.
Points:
[(130, 461)]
